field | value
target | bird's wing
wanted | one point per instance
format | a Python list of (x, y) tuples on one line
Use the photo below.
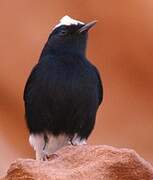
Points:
[(100, 86), (28, 83)]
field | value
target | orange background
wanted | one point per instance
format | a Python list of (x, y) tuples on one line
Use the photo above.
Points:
[(121, 46)]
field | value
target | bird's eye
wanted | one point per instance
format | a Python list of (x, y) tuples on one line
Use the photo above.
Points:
[(63, 32)]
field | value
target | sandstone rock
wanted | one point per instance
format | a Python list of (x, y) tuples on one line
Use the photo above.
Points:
[(84, 163)]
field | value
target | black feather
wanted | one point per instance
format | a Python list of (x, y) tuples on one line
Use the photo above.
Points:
[(64, 89)]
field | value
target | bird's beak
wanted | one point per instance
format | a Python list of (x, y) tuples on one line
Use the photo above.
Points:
[(87, 26)]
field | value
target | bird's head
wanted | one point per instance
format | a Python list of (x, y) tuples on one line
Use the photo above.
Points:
[(70, 35)]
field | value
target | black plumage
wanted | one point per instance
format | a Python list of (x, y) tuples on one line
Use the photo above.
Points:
[(64, 89)]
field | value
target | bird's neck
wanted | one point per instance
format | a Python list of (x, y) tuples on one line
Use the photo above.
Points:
[(53, 50)]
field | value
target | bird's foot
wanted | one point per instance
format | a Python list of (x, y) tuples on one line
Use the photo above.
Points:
[(47, 157), (52, 156), (41, 156)]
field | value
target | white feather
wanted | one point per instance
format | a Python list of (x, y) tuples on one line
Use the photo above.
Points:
[(54, 143), (37, 142), (76, 140), (66, 20)]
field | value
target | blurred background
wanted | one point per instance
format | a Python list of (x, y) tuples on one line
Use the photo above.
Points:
[(120, 45)]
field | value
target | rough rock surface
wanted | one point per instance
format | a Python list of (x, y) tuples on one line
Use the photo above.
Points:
[(84, 163)]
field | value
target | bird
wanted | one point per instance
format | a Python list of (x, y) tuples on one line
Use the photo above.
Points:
[(63, 91)]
